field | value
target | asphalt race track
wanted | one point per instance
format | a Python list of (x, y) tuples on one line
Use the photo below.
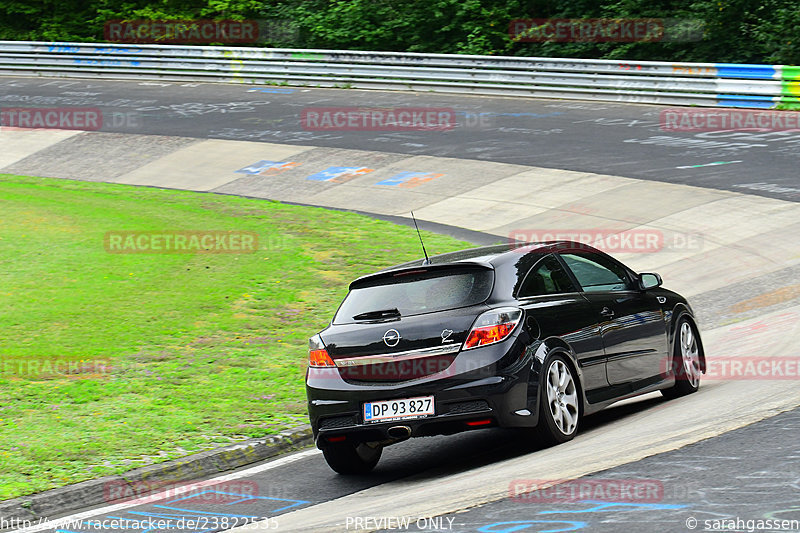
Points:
[(700, 485), (750, 473), (607, 138), (731, 229)]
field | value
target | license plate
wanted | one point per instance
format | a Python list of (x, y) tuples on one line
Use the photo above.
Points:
[(398, 409)]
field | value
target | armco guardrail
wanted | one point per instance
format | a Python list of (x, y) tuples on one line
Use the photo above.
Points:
[(652, 82)]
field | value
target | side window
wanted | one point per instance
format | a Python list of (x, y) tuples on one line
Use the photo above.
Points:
[(546, 277), (595, 273)]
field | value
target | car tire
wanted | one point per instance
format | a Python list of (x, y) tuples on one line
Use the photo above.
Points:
[(352, 459), (685, 361), (559, 408)]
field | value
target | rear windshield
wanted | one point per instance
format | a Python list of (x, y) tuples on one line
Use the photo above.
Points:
[(417, 292)]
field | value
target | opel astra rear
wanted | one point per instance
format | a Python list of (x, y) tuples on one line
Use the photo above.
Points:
[(531, 337)]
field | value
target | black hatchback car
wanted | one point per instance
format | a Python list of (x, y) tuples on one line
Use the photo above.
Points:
[(532, 336)]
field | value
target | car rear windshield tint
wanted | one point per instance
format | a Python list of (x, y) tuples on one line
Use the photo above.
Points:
[(417, 292)]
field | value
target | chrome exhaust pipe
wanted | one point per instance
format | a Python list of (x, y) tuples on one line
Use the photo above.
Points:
[(399, 432)]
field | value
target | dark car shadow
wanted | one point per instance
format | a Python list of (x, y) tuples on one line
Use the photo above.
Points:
[(431, 457)]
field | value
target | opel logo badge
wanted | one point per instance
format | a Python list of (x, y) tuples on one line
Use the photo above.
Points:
[(391, 338)]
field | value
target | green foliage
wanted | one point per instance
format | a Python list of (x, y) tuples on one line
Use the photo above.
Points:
[(440, 26), (762, 31), (777, 29)]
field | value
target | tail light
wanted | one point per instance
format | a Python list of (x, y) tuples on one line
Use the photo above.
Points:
[(493, 326), (317, 354)]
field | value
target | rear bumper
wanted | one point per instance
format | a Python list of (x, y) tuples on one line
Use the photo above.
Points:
[(501, 395)]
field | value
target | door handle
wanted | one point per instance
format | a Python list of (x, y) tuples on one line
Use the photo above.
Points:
[(607, 312)]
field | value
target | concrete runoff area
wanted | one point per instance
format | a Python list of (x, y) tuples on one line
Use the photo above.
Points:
[(18, 144)]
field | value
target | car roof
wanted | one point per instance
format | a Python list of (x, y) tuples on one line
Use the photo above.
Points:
[(494, 255)]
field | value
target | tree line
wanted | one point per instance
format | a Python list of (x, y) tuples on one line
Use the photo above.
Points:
[(740, 31)]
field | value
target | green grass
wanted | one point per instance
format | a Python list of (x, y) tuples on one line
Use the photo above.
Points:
[(180, 352)]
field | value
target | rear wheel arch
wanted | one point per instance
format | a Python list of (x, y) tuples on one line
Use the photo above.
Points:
[(557, 346), (554, 404), (685, 363)]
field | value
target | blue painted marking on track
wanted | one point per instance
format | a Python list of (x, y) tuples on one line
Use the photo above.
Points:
[(272, 90), (332, 173), (178, 518), (242, 497), (168, 516), (209, 491), (403, 177), (203, 513), (192, 515), (279, 509), (599, 507), (519, 525), (262, 166), (749, 72), (241, 500), (602, 507), (298, 502)]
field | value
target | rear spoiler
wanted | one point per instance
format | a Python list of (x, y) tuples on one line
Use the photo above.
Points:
[(417, 268)]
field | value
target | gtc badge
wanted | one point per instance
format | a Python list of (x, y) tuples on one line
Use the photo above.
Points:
[(391, 338)]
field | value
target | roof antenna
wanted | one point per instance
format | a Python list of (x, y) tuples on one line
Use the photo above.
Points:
[(427, 261)]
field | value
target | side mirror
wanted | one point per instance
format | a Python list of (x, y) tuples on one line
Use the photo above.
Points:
[(649, 280)]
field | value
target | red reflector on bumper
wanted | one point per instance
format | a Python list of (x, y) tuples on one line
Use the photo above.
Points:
[(479, 422)]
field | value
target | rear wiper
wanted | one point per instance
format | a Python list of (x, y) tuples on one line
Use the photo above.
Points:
[(383, 313)]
